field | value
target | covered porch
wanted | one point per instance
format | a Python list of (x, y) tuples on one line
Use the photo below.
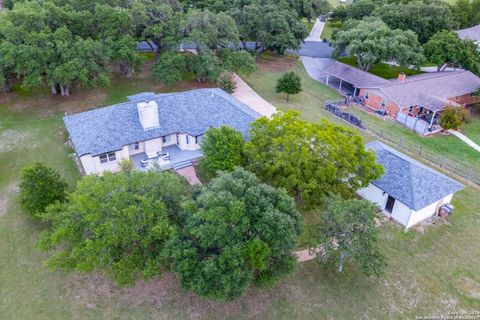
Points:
[(341, 77), (178, 158), (422, 120)]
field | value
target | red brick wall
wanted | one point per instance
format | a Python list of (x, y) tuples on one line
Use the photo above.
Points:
[(375, 102), (464, 100)]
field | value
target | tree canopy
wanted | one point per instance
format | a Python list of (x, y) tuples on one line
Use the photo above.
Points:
[(236, 232), (289, 83), (466, 13), (309, 159), (347, 233), (222, 149), (424, 17), (117, 223), (371, 41), (40, 186), (446, 49)]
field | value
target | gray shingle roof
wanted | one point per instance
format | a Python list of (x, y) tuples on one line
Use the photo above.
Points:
[(352, 75), (194, 112), (410, 181), (472, 33), (430, 90)]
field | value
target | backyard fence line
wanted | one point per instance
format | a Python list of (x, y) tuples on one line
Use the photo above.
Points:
[(467, 173)]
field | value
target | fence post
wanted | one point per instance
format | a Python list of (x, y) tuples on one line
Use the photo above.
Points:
[(420, 152), (469, 173), (441, 162), (401, 141)]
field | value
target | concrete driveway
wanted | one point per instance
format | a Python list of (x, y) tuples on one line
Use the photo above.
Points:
[(316, 31)]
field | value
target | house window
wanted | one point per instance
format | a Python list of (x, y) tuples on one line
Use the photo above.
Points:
[(136, 146), (165, 139), (366, 95), (108, 157), (187, 138)]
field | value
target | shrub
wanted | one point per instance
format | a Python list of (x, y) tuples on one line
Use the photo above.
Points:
[(225, 82), (40, 186), (453, 117)]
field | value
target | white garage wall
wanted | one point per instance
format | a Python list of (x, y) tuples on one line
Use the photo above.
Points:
[(401, 213), (428, 211), (374, 194)]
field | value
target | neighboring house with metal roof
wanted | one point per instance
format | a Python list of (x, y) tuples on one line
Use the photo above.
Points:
[(409, 191), (153, 123), (472, 33)]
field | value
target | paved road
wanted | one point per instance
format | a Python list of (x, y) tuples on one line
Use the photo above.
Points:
[(316, 31), (316, 49)]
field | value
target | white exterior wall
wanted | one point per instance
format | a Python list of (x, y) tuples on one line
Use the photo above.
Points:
[(400, 212), (92, 165), (141, 148), (374, 194), (182, 142), (153, 145), (428, 211), (172, 140)]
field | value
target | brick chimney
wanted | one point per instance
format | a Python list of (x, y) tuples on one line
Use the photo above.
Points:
[(402, 76), (148, 114)]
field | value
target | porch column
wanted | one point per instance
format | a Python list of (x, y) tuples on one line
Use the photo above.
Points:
[(433, 117), (327, 79), (355, 91), (340, 86)]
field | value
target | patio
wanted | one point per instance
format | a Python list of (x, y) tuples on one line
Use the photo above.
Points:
[(177, 157)]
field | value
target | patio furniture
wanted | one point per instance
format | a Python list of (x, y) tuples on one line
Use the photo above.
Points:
[(150, 156), (166, 156)]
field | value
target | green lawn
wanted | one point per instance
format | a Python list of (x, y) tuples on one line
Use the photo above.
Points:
[(383, 70), (329, 28), (432, 272), (472, 129)]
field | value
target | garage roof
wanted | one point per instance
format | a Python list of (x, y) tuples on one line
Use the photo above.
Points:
[(410, 181)]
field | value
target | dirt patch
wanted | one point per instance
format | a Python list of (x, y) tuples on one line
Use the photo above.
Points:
[(6, 195), (13, 139), (95, 291), (276, 63)]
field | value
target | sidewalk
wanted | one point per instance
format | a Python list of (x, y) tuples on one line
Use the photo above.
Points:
[(316, 31), (465, 139), (245, 94)]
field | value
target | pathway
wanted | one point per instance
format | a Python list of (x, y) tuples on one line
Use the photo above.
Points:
[(248, 96), (316, 31), (190, 174), (465, 139), (304, 255)]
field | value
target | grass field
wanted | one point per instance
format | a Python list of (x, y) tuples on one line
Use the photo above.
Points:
[(329, 28), (430, 271), (383, 70)]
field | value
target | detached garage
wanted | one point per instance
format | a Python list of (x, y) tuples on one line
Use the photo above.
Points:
[(409, 191)]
